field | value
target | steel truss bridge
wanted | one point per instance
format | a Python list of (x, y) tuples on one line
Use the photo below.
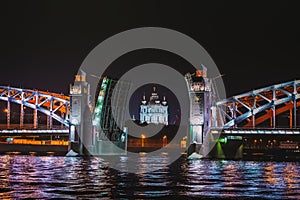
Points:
[(54, 106), (250, 110), (253, 109)]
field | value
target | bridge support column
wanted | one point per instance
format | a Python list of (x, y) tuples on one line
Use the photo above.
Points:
[(291, 118), (8, 114), (8, 109), (49, 122), (274, 109), (22, 116), (253, 121), (234, 112), (35, 112), (273, 117), (62, 116), (35, 119), (295, 113), (49, 119), (253, 115), (22, 111)]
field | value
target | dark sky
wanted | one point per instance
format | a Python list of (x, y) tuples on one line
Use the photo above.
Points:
[(43, 43)]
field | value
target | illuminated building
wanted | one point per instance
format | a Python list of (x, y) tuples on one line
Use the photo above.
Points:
[(154, 111)]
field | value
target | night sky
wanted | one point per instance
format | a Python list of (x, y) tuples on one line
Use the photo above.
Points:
[(44, 43)]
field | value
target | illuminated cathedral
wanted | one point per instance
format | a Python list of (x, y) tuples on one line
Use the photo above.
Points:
[(154, 111)]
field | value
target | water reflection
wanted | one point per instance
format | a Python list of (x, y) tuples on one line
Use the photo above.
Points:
[(72, 178)]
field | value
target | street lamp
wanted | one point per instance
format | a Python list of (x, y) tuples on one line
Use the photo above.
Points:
[(164, 140), (143, 140)]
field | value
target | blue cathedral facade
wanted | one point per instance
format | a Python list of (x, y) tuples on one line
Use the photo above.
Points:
[(154, 111)]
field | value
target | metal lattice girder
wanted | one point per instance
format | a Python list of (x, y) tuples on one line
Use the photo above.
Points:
[(269, 102), (51, 104)]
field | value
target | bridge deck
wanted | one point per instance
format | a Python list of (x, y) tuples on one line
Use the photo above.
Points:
[(261, 131)]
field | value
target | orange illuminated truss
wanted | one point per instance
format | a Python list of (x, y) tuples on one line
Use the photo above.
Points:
[(253, 108)]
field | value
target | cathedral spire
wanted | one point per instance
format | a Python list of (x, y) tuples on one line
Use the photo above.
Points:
[(164, 102), (144, 99)]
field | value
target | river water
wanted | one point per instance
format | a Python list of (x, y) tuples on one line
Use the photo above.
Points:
[(45, 177)]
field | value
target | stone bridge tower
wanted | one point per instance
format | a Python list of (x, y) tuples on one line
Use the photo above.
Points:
[(80, 116), (199, 88)]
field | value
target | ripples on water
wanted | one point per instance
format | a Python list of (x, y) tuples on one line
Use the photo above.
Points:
[(73, 178)]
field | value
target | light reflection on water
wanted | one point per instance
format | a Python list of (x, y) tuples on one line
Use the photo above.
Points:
[(72, 178)]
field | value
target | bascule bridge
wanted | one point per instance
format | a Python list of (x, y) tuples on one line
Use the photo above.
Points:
[(259, 121)]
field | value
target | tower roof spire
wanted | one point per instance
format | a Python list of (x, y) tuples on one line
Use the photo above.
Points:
[(144, 99), (164, 102)]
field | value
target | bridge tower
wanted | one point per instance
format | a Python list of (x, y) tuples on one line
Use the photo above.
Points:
[(199, 88), (80, 115)]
